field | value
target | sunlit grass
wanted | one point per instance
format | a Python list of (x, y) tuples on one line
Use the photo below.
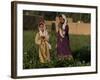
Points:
[(80, 46)]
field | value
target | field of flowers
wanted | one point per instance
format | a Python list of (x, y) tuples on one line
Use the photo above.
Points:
[(80, 46)]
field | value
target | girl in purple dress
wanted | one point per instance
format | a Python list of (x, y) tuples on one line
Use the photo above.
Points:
[(63, 46)]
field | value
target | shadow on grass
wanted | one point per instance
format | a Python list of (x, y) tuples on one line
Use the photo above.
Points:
[(83, 54)]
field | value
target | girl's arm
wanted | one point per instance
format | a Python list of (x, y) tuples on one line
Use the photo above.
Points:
[(47, 36), (37, 39), (61, 33)]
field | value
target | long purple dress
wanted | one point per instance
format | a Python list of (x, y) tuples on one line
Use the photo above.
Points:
[(63, 46)]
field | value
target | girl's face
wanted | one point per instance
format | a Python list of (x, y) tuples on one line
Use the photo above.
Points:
[(42, 27), (61, 20)]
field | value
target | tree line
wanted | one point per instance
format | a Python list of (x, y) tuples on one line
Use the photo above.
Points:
[(31, 18)]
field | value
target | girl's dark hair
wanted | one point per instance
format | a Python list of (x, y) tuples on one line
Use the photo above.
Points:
[(60, 15), (41, 19), (40, 24)]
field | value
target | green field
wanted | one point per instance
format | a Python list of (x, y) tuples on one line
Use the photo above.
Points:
[(80, 46)]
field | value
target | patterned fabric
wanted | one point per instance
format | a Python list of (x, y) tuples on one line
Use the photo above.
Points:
[(63, 47), (44, 47)]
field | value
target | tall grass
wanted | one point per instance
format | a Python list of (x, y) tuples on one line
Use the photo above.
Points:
[(80, 46)]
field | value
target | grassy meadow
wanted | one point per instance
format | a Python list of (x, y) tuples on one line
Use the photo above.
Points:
[(80, 46)]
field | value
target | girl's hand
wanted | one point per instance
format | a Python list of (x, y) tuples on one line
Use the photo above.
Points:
[(61, 33)]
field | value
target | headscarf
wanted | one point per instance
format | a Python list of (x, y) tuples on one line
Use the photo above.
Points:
[(42, 21), (65, 23)]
